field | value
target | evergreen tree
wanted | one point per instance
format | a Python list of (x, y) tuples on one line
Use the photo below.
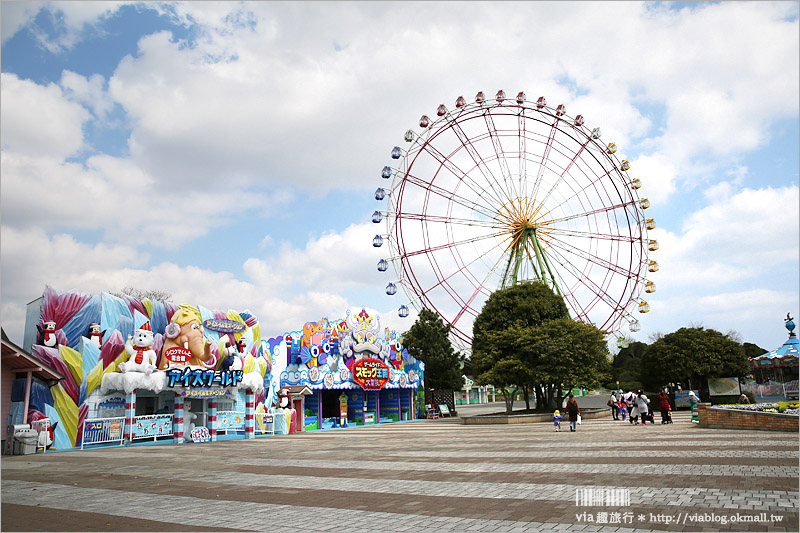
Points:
[(428, 340)]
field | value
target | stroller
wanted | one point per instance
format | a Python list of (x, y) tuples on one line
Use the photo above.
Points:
[(648, 417), (666, 417)]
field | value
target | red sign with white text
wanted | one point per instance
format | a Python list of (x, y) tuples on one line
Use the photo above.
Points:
[(178, 355), (371, 374)]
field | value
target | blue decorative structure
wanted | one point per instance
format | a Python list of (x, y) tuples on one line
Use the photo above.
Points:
[(775, 373), (351, 343)]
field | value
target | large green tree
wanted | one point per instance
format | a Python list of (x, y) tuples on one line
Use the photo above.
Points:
[(563, 351), (429, 341), (694, 353), (495, 353), (524, 339), (628, 362)]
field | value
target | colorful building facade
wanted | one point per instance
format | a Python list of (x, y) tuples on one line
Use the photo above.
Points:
[(142, 371), (357, 372)]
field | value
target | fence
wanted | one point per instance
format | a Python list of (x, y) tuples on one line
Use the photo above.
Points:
[(772, 389), (41, 425), (233, 420), (267, 423), (152, 426), (102, 430)]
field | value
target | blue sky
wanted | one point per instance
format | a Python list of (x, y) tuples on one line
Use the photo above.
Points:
[(228, 152)]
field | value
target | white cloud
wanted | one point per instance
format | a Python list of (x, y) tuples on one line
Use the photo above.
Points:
[(737, 236), (283, 293), (69, 22), (114, 194), (89, 92), (39, 120), (16, 15)]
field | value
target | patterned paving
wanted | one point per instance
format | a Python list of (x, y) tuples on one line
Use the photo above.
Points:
[(432, 475)]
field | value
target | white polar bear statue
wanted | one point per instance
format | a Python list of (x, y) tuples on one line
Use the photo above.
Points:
[(188, 425), (140, 348)]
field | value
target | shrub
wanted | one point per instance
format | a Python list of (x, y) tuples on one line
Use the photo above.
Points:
[(750, 396)]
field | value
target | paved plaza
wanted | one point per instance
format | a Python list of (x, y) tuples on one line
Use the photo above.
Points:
[(428, 475)]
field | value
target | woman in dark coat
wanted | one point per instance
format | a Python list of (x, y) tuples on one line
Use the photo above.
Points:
[(573, 410)]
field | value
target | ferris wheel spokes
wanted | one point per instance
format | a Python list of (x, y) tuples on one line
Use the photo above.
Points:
[(545, 156), (447, 245), (463, 176), (583, 254), (450, 195), (461, 210), (605, 209), (582, 279), (478, 160), (499, 153)]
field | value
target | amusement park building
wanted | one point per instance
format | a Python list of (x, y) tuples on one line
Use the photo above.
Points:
[(774, 375), (103, 369)]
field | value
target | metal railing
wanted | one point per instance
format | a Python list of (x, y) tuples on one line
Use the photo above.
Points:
[(41, 425), (267, 423), (152, 426), (102, 430)]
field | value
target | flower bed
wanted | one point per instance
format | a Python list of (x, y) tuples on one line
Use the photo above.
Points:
[(766, 407)]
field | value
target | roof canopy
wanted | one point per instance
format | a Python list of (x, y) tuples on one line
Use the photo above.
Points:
[(786, 355), (15, 359)]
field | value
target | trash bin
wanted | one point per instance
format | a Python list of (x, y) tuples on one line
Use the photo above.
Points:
[(27, 440), (14, 447)]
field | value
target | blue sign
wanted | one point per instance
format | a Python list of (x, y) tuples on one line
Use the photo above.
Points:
[(224, 325), (198, 378)]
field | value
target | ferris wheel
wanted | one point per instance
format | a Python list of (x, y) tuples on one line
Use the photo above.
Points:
[(498, 191)]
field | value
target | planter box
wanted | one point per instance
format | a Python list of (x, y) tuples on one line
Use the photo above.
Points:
[(714, 417), (586, 414)]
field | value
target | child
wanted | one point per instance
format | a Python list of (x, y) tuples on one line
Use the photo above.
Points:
[(623, 410), (557, 420)]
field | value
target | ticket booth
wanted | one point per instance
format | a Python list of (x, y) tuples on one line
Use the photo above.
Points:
[(297, 400)]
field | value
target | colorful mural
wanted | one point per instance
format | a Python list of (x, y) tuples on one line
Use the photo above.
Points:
[(110, 348), (143, 369), (323, 353)]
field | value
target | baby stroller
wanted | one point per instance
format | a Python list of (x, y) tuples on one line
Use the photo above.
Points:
[(648, 417), (666, 417)]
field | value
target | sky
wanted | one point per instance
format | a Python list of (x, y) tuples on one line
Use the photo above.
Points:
[(228, 153)]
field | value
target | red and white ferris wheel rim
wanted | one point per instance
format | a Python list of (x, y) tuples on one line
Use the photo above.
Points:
[(483, 161)]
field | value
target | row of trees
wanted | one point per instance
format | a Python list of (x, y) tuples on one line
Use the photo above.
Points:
[(691, 354), (524, 341)]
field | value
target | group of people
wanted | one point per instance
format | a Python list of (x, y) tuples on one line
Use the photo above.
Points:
[(633, 405)]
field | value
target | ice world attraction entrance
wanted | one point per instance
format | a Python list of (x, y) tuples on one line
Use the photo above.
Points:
[(128, 371)]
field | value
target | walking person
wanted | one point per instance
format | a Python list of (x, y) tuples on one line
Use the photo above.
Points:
[(665, 407), (633, 412), (573, 411), (643, 404), (613, 402), (693, 404), (557, 420)]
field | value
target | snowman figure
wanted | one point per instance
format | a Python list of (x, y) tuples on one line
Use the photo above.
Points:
[(140, 348)]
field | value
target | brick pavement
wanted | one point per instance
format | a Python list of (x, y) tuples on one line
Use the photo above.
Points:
[(432, 475)]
